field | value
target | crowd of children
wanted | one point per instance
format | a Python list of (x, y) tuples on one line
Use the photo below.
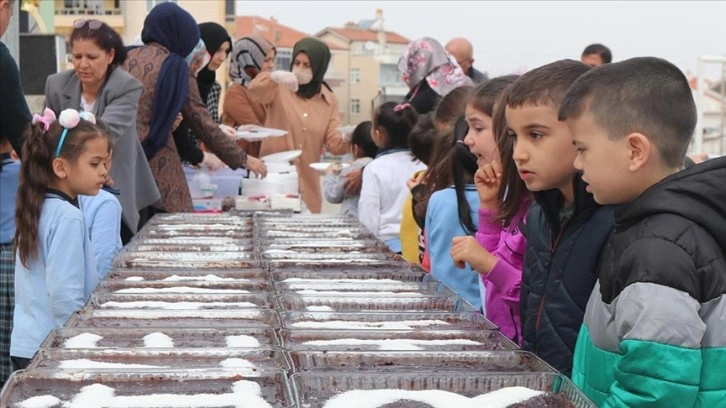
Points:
[(557, 201)]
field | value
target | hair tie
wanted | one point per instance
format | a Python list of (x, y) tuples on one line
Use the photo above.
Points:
[(47, 119), (69, 119), (401, 106)]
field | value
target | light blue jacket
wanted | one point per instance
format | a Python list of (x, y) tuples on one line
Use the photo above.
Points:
[(102, 214), (59, 279), (442, 225), (9, 178)]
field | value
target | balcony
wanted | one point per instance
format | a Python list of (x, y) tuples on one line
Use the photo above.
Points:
[(68, 11)]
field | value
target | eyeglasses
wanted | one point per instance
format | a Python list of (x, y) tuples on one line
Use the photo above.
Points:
[(92, 24)]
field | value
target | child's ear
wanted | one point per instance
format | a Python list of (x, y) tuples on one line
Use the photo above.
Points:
[(640, 150), (60, 168)]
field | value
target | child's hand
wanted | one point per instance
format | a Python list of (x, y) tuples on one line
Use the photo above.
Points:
[(487, 180), (334, 168), (467, 250), (414, 181)]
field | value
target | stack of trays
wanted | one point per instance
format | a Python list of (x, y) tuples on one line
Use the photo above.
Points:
[(277, 310)]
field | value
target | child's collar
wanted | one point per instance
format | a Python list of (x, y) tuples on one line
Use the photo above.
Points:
[(53, 193)]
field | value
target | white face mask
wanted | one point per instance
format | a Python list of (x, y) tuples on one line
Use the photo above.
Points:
[(304, 75)]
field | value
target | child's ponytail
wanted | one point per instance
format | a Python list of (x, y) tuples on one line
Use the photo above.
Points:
[(36, 173)]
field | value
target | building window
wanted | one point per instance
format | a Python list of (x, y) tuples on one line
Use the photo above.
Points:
[(355, 75), (355, 106), (150, 4), (283, 60)]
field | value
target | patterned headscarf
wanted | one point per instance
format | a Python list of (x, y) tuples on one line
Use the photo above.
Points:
[(425, 58), (248, 51)]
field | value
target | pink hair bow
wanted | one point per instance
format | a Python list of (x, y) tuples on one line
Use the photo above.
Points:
[(401, 106), (47, 118)]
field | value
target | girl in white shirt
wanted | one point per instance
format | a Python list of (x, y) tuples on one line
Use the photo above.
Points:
[(384, 179)]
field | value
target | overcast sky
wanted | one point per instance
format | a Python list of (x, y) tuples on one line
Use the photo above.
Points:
[(517, 35)]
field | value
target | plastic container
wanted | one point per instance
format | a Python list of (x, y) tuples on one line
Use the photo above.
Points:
[(198, 260), (300, 231), (399, 361), (238, 286), (245, 361), (394, 340), (190, 234), (198, 247), (208, 388), (221, 241), (307, 246), (178, 275), (401, 302), (191, 319), (193, 218), (179, 301), (386, 321), (315, 388), (127, 338), (333, 257)]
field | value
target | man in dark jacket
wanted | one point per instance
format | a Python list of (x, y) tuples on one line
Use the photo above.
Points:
[(14, 115), (654, 332), (462, 50)]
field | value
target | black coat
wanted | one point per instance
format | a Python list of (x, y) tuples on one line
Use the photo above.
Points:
[(560, 272)]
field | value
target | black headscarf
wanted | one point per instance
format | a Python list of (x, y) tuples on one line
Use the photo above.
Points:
[(213, 35), (174, 28), (319, 55)]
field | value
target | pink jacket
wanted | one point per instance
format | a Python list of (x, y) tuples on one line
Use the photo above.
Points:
[(504, 281)]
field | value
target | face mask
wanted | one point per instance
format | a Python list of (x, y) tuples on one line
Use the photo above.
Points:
[(304, 75)]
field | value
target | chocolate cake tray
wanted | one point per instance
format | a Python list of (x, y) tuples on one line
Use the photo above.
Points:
[(300, 218), (330, 261), (214, 318), (181, 301), (204, 260), (159, 337), (179, 275), (197, 218), (416, 321), (169, 389), (284, 254), (401, 302), (202, 228), (323, 245), (394, 361), (153, 233), (377, 287), (237, 286), (396, 272), (315, 389), (244, 361), (394, 340), (144, 247), (201, 240), (354, 232)]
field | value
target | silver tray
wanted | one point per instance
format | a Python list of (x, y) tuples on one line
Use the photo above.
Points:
[(400, 273), (192, 234), (243, 361), (222, 241), (198, 247), (128, 337), (180, 301), (171, 389), (197, 260), (315, 388), (372, 287), (215, 318), (398, 361), (386, 321), (196, 218), (394, 303), (169, 275), (355, 232), (394, 340), (190, 287), (323, 246), (332, 257)]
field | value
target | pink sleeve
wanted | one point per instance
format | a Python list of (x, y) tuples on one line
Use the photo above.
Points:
[(490, 229)]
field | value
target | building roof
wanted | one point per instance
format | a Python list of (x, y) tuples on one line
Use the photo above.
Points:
[(358, 34), (280, 35)]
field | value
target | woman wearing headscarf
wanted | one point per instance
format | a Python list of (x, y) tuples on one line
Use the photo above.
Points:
[(430, 73), (169, 35), (303, 104), (250, 56)]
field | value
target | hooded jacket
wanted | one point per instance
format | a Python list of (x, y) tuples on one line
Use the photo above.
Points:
[(560, 271), (654, 333)]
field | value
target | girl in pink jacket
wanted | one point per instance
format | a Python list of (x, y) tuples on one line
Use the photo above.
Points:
[(497, 250)]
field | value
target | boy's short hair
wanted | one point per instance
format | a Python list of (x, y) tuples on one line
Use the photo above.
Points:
[(647, 95), (362, 138), (604, 52), (545, 85)]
